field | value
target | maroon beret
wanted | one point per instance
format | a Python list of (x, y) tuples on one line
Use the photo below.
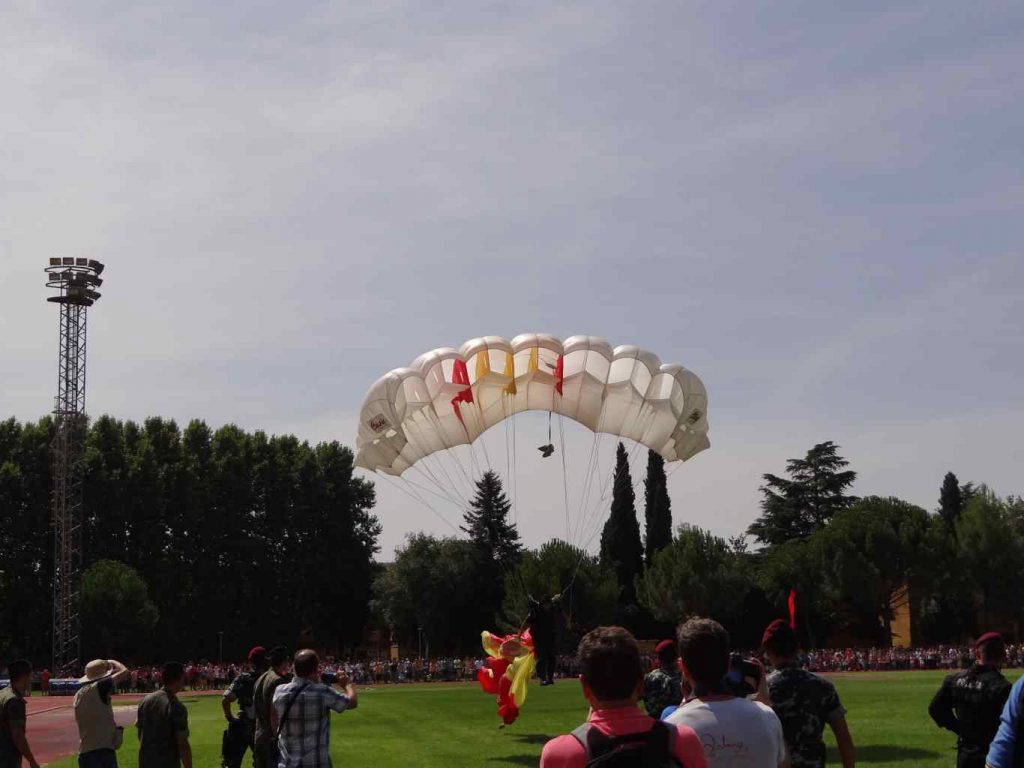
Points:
[(257, 652), (777, 628), (988, 637), (664, 645)]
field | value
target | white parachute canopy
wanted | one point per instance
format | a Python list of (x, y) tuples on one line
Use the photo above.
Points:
[(449, 397)]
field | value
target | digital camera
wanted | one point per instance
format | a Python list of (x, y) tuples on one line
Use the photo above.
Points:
[(744, 677)]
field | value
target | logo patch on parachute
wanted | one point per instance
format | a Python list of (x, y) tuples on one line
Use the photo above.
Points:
[(379, 423)]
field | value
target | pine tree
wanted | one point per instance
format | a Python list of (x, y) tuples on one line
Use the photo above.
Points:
[(951, 502), (796, 507), (657, 508), (486, 522), (620, 540)]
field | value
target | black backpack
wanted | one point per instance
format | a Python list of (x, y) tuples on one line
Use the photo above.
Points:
[(653, 749)]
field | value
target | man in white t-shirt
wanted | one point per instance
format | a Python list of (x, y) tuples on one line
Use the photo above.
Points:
[(735, 732)]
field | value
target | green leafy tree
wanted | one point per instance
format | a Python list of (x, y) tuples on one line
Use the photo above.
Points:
[(945, 609), (427, 594), (871, 552), (25, 574), (621, 548), (698, 574), (117, 614), (991, 551), (590, 591), (233, 531), (797, 506), (657, 508)]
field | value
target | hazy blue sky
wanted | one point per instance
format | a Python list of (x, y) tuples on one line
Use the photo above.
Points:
[(817, 209)]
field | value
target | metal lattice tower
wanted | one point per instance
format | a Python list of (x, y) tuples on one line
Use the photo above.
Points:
[(76, 280)]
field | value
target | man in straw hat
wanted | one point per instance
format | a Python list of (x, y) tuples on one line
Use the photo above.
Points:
[(99, 735)]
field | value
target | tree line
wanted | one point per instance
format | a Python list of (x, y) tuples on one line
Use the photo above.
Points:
[(192, 539), (195, 537), (851, 562)]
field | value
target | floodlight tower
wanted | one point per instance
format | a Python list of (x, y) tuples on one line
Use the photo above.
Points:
[(76, 279)]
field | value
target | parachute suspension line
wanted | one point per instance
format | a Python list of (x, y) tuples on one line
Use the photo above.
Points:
[(430, 454), (483, 444), (416, 497), (565, 475), (590, 527), (595, 442), (639, 445), (514, 482), (445, 493), (446, 498), (508, 457), (450, 488)]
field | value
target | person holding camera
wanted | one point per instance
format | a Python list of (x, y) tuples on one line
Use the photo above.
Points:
[(301, 715), (735, 731), (803, 701)]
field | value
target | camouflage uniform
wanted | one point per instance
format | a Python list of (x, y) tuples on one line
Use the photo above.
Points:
[(240, 733), (661, 689), (969, 704), (805, 703)]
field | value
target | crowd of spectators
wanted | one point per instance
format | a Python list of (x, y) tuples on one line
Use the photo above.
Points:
[(949, 657), (206, 676)]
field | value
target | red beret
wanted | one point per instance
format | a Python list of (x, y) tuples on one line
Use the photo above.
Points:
[(257, 652), (775, 629), (664, 645), (988, 637)]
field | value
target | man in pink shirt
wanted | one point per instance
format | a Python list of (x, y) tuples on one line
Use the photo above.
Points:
[(612, 675)]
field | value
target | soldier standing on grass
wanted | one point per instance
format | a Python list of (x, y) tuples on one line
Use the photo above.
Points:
[(264, 750), (663, 686), (803, 701), (969, 703), (242, 729)]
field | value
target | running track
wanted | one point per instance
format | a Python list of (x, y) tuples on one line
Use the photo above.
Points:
[(52, 732)]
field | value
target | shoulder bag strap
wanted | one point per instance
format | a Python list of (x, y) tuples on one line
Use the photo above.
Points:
[(288, 708)]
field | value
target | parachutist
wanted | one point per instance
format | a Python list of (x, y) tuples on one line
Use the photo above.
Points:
[(546, 450)]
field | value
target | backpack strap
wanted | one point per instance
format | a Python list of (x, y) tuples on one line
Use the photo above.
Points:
[(582, 735), (659, 742)]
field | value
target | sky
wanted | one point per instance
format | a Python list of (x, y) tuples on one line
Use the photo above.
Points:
[(816, 207)]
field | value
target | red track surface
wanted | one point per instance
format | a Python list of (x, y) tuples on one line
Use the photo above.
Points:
[(52, 732)]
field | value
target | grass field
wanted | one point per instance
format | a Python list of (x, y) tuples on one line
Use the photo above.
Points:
[(451, 726)]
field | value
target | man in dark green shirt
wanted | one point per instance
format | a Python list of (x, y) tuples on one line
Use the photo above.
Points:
[(13, 742), (264, 751), (163, 724)]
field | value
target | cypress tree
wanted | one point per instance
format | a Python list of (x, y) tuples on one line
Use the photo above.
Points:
[(621, 547), (657, 508), (951, 502)]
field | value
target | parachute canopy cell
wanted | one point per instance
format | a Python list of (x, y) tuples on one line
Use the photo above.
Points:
[(450, 397)]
